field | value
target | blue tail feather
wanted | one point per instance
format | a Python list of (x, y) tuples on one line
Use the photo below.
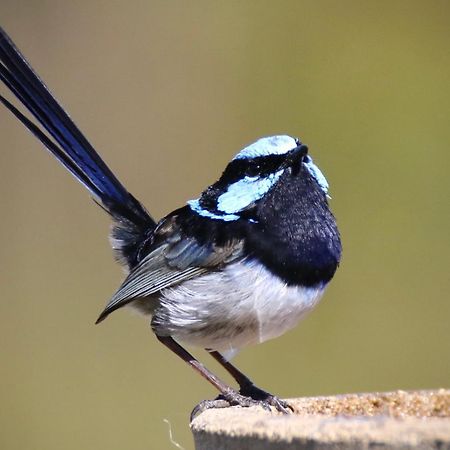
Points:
[(66, 142)]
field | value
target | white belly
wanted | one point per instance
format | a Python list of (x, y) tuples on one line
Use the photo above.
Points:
[(242, 305)]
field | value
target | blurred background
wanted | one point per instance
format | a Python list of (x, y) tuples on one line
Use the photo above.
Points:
[(168, 92)]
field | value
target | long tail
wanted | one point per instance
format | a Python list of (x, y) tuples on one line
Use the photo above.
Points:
[(66, 142)]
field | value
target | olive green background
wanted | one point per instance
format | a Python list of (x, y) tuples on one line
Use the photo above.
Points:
[(168, 92)]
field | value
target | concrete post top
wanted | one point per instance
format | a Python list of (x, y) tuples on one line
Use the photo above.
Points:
[(390, 420)]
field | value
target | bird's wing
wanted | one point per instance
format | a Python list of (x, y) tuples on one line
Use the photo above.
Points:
[(176, 259)]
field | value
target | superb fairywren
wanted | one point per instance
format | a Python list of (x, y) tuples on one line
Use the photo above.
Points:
[(241, 264)]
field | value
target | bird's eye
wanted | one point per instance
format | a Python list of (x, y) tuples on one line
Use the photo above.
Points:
[(253, 170)]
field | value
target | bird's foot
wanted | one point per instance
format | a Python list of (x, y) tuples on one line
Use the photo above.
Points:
[(229, 398), (255, 397), (254, 392), (218, 402)]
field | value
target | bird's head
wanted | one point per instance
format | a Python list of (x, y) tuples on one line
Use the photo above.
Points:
[(252, 173)]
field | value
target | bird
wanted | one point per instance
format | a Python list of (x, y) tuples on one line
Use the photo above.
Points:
[(243, 263)]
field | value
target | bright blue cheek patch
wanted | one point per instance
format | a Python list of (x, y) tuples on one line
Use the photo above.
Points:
[(244, 192), (237, 197), (316, 173), (195, 206)]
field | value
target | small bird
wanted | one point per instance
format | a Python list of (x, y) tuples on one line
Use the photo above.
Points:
[(241, 264)]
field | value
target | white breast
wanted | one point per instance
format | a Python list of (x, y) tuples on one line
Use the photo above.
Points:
[(242, 305)]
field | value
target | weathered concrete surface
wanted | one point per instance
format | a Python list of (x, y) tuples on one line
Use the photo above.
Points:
[(391, 420)]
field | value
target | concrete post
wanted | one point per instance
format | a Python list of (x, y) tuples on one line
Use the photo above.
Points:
[(391, 420)]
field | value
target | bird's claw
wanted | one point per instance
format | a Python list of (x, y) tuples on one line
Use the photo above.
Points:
[(259, 394), (280, 405), (233, 398), (208, 404)]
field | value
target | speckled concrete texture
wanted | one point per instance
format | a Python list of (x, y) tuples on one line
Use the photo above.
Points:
[(391, 420)]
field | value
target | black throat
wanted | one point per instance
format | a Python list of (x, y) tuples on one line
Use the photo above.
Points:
[(296, 235)]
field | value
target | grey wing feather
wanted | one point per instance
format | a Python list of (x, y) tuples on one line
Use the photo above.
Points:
[(177, 260)]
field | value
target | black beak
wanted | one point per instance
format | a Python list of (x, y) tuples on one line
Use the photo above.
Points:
[(294, 158)]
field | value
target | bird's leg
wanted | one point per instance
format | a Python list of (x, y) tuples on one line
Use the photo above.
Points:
[(243, 381), (228, 395), (246, 386)]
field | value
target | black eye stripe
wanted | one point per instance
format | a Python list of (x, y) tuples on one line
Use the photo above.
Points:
[(236, 170), (269, 160), (260, 165)]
